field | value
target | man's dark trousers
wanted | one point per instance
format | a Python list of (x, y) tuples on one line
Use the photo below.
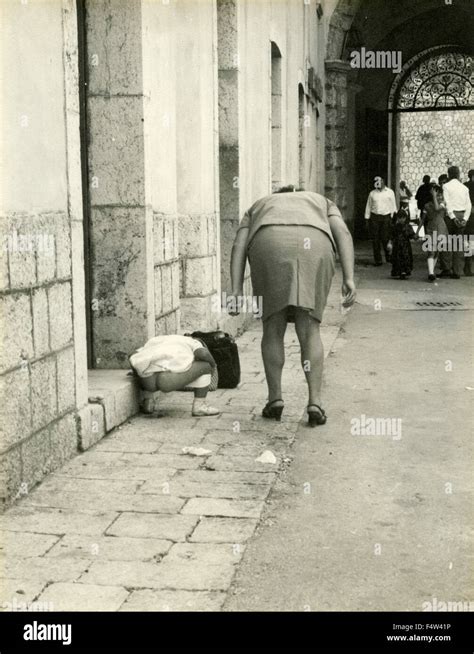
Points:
[(379, 229)]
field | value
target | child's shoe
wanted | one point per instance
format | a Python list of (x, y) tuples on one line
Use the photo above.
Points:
[(201, 408)]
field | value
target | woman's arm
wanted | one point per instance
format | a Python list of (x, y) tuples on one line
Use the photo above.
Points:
[(238, 260), (345, 247)]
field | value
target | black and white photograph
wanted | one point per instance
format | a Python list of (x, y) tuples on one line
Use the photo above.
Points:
[(237, 323)]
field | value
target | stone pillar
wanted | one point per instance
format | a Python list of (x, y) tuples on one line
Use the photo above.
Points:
[(229, 156), (339, 137), (197, 186), (121, 241)]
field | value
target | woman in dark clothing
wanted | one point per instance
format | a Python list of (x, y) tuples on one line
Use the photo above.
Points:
[(402, 257)]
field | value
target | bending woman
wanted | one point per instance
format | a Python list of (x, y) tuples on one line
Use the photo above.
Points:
[(290, 239)]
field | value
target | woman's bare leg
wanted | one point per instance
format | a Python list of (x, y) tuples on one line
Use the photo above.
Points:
[(312, 353), (273, 352)]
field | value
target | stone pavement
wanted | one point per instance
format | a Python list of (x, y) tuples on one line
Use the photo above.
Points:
[(135, 524)]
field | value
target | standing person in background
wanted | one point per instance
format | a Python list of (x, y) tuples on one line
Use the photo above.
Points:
[(401, 233), (433, 221), (380, 208), (458, 207), (423, 193), (469, 229), (405, 193)]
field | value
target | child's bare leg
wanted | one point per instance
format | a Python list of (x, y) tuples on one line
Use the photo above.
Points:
[(200, 373)]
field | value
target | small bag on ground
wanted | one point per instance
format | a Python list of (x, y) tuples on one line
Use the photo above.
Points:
[(226, 355)]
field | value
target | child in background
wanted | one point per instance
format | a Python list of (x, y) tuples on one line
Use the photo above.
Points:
[(433, 220), (401, 233)]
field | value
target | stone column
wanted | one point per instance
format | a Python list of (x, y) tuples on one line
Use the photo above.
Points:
[(197, 178), (121, 247), (339, 137), (229, 156)]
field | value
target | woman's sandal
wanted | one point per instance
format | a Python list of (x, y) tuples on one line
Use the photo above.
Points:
[(316, 417), (273, 412)]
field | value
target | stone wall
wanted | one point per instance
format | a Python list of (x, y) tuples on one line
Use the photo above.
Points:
[(42, 370)]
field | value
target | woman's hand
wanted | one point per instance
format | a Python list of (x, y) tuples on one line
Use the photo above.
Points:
[(234, 302), (349, 293)]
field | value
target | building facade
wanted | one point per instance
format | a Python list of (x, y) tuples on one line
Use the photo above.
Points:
[(137, 134)]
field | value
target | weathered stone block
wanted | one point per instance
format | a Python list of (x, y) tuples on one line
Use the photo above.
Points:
[(60, 315), (10, 476), (15, 409), (175, 284), (54, 521), (63, 596), (63, 246), (91, 425), (110, 548), (40, 322), (46, 249), (198, 276), (167, 527), (166, 289), (223, 530), (21, 253), (198, 313), (158, 291), (66, 381), (43, 392), (39, 568), (114, 39), (64, 440), (223, 507), (116, 150), (15, 317), (36, 458), (174, 600), (126, 402), (23, 544), (193, 235), (168, 324)]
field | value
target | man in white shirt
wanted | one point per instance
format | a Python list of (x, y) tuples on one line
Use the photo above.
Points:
[(380, 207), (458, 207)]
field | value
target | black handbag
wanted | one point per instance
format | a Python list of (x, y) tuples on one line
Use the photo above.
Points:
[(226, 355)]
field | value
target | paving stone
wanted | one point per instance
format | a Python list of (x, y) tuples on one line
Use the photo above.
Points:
[(58, 484), (189, 576), (210, 489), (55, 521), (145, 503), (110, 548), (223, 530), (24, 544), (206, 553), (119, 471), (223, 507), (45, 569), (15, 593), (84, 597), (239, 463), (174, 600), (168, 527), (228, 476), (137, 444), (131, 574), (180, 462)]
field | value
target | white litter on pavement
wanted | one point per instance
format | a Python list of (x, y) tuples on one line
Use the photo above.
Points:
[(267, 457), (196, 451)]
